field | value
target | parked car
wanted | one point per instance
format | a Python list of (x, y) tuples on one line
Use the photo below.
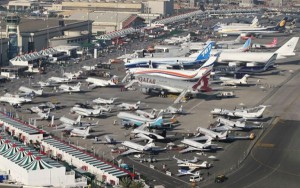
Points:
[(220, 178)]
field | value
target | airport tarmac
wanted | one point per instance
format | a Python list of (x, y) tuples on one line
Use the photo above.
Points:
[(273, 162), (198, 115)]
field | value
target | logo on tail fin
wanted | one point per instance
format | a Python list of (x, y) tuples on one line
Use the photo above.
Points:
[(205, 52), (274, 41), (247, 45), (271, 61), (281, 25), (159, 121), (203, 79)]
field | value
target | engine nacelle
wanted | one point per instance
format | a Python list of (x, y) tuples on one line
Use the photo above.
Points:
[(252, 64), (145, 90)]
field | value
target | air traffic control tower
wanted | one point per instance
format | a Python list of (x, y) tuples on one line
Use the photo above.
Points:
[(12, 30)]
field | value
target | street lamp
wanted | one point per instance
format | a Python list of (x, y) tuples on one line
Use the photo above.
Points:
[(47, 31), (1, 46)]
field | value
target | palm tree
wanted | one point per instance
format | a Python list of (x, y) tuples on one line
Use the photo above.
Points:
[(125, 182), (137, 184)]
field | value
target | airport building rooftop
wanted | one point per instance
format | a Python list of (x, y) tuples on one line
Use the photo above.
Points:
[(74, 156)]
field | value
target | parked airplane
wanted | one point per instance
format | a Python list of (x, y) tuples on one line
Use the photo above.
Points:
[(30, 92), (86, 112), (44, 115), (194, 160), (107, 140), (234, 82), (173, 110), (244, 48), (250, 68), (142, 134), (80, 132), (104, 101), (194, 145), (252, 113), (260, 57), (129, 106), (95, 82), (36, 109), (132, 119), (177, 40), (210, 135), (198, 46), (69, 123), (58, 80), (156, 83), (150, 115), (229, 42), (151, 159), (273, 44), (70, 89), (89, 68), (175, 74), (280, 27), (14, 100), (226, 124), (194, 166), (137, 148), (71, 76), (46, 84), (183, 172), (172, 62), (106, 108), (253, 24)]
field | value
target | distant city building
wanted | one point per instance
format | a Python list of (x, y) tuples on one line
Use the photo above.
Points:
[(246, 3), (104, 22), (34, 34), (163, 7), (23, 5), (275, 3), (3, 51), (118, 5)]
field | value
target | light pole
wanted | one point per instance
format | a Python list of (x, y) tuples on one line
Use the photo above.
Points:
[(88, 17), (1, 46), (47, 31)]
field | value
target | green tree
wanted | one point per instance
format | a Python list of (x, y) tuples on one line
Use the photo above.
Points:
[(125, 182), (137, 184)]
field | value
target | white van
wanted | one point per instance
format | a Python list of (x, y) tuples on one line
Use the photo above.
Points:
[(196, 178)]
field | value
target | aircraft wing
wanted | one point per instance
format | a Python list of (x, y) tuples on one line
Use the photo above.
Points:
[(64, 127), (14, 103), (101, 142), (226, 128), (95, 85), (181, 96), (190, 148), (201, 138), (130, 151), (142, 137)]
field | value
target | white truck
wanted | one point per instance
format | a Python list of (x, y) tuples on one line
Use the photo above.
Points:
[(225, 94)]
